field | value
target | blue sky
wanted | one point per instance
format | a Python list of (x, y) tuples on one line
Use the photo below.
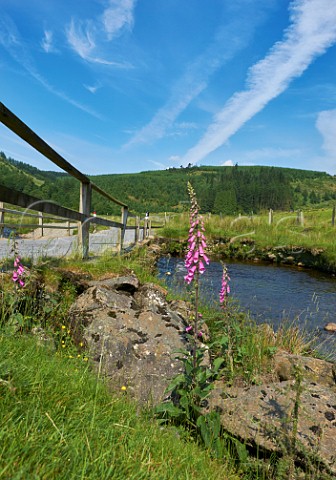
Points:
[(119, 86)]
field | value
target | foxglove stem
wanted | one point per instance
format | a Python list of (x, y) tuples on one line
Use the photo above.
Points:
[(18, 272), (196, 319), (195, 259), (225, 290)]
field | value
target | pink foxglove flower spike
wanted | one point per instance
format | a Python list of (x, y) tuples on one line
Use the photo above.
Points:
[(18, 272), (225, 290), (196, 257)]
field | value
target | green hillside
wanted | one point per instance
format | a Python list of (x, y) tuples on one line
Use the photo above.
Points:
[(23, 177), (226, 190)]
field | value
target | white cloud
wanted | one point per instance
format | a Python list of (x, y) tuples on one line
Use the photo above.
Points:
[(165, 117), (270, 153), (326, 125), (228, 163), (311, 32), (186, 125), (92, 88), (61, 94), (47, 42), (181, 129), (118, 16), (80, 37), (174, 158), (9, 35), (227, 42), (88, 37), (11, 40), (158, 164)]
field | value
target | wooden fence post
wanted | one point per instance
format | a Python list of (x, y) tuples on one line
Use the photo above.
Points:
[(143, 229), (333, 216), (84, 226), (68, 225), (124, 215), (136, 231), (2, 219), (40, 222), (270, 217), (299, 218)]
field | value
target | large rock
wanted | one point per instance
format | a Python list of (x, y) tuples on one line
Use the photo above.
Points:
[(124, 284), (262, 416), (132, 335), (313, 370), (330, 327)]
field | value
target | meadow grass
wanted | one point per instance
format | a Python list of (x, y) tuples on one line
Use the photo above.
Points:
[(59, 421), (248, 347), (315, 233), (137, 262)]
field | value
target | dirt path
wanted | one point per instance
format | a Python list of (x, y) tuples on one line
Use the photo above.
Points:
[(49, 232), (61, 246)]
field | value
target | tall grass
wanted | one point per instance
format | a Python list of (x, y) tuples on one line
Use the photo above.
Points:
[(139, 262), (316, 232), (59, 421), (248, 348)]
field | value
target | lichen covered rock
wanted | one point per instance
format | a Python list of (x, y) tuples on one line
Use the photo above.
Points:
[(132, 335)]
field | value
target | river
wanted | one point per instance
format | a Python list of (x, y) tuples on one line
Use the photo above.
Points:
[(269, 293)]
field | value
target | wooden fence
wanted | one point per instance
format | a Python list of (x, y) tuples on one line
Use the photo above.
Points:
[(49, 209)]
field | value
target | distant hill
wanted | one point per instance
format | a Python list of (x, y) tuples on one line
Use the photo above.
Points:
[(227, 190), (24, 177)]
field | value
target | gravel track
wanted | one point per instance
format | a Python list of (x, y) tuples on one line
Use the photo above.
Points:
[(49, 246)]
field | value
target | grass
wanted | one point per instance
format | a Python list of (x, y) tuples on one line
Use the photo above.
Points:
[(59, 421), (248, 348), (138, 262), (316, 232)]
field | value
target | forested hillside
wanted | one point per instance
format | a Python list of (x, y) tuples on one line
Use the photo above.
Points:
[(227, 190), (26, 178)]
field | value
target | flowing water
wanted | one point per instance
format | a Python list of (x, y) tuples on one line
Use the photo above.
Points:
[(269, 293)]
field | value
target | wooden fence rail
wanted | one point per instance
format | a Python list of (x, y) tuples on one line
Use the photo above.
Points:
[(142, 227), (83, 216)]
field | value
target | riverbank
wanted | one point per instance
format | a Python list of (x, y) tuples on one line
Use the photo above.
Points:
[(246, 250), (309, 243), (73, 300)]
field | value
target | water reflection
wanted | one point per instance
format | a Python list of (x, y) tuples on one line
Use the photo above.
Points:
[(271, 294)]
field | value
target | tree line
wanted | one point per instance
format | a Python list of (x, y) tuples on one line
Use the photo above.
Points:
[(227, 190)]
